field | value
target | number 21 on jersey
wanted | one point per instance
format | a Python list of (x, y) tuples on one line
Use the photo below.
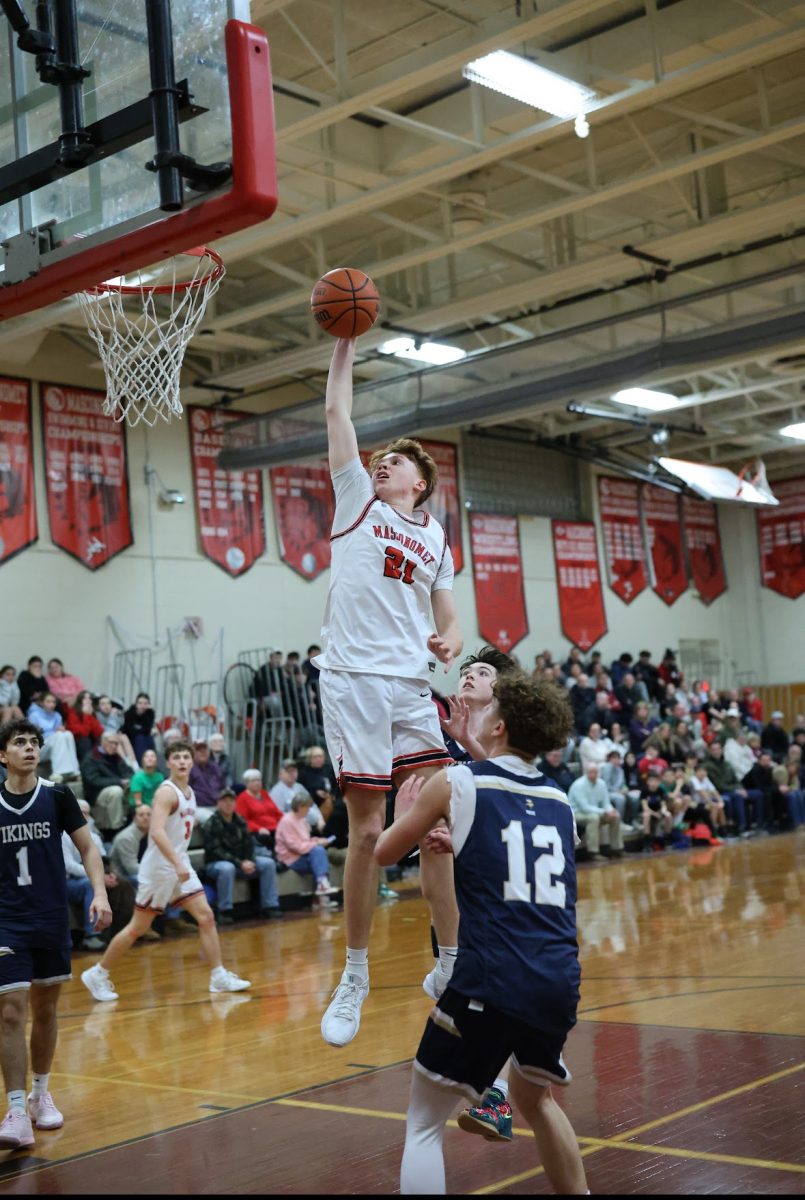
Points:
[(546, 866)]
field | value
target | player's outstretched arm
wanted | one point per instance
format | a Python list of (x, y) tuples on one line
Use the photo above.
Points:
[(446, 643), (163, 806), (418, 807), (100, 914), (341, 439)]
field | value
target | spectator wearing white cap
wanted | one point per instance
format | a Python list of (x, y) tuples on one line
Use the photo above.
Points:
[(774, 738)]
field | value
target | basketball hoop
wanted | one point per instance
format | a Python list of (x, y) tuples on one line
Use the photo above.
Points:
[(142, 349)]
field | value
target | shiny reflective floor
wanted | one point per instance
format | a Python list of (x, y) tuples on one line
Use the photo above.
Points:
[(688, 1057)]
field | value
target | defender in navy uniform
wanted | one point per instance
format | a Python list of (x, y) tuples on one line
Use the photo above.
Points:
[(515, 984), (34, 924)]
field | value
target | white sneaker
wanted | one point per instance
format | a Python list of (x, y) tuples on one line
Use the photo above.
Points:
[(342, 1019), (98, 983), (43, 1112), (436, 981), (222, 980)]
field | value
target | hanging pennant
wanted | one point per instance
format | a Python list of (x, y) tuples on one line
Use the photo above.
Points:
[(578, 582), (17, 503), (497, 569), (304, 505), (664, 539), (624, 551), (781, 539), (703, 545)]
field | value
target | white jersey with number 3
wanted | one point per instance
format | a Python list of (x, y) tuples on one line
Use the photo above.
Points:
[(385, 565), (178, 829)]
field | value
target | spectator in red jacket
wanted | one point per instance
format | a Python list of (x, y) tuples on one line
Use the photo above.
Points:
[(83, 724), (651, 763), (258, 809)]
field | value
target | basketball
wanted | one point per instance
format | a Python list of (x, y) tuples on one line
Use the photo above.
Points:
[(345, 302)]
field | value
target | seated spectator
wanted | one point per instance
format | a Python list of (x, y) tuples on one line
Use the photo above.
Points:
[(110, 716), (707, 797), (681, 742), (751, 709), (206, 779), (32, 682), (80, 890), (631, 772), (318, 779), (258, 809), (107, 780), (760, 787), (774, 738), (674, 785), (574, 659), (592, 807), (787, 798), (730, 724), (171, 735), (728, 785), (145, 781), (620, 796), (618, 739), (287, 786), (629, 694), (796, 757), (740, 755), (641, 727), (662, 741), (129, 846), (582, 698), (593, 748), (9, 695), (138, 724), (219, 755), (229, 852), (65, 688), (651, 763), (669, 672), (647, 673), (83, 724), (304, 854), (59, 748), (656, 817), (556, 770), (600, 713)]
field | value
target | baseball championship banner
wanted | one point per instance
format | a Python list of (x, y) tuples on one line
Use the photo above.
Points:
[(304, 505), (781, 539), (86, 471), (578, 582), (17, 504), (498, 576), (229, 504), (664, 538), (624, 550), (703, 545)]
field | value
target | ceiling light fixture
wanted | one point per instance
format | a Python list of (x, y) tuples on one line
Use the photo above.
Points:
[(797, 431), (639, 397), (531, 84), (435, 354)]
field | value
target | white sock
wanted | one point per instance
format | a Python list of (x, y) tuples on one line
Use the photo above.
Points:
[(16, 1101), (447, 958), (502, 1085), (429, 1109), (358, 963), (40, 1085)]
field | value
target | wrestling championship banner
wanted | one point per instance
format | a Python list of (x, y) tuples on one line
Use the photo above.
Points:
[(781, 539), (624, 549), (17, 503), (664, 538), (578, 582), (703, 545), (86, 471), (304, 505), (498, 576), (229, 504)]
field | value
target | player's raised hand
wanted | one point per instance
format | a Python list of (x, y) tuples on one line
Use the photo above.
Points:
[(100, 914), (457, 725), (406, 796)]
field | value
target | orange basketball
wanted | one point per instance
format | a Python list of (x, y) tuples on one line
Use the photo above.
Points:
[(345, 302)]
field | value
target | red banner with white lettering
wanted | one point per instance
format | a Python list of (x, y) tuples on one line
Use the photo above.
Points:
[(578, 582), (703, 544), (87, 475), (304, 505), (229, 504), (664, 539), (497, 569), (781, 538), (17, 504), (624, 550)]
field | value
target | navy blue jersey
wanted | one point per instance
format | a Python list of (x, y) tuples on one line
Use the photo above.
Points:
[(33, 879), (515, 872)]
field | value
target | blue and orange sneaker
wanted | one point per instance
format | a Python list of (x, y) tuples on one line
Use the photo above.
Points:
[(492, 1118)]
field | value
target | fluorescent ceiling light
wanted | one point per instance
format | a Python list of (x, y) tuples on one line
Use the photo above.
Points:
[(640, 397), (794, 431), (436, 354), (536, 86)]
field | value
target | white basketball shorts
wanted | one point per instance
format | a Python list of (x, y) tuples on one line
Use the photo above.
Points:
[(159, 885)]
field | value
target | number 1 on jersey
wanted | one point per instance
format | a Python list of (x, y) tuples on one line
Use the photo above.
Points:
[(24, 877)]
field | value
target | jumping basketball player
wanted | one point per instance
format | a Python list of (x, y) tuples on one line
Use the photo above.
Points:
[(167, 878), (515, 984), (391, 581), (34, 924)]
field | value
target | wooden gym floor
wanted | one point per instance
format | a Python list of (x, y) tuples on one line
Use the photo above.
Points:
[(687, 1059)]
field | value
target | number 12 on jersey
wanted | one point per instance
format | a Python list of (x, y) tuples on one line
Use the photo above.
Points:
[(546, 866)]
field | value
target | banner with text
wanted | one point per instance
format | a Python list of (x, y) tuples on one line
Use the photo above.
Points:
[(624, 550), (445, 503), (781, 539), (17, 502), (497, 569), (664, 540), (703, 544), (578, 582), (229, 504), (304, 504), (87, 475)]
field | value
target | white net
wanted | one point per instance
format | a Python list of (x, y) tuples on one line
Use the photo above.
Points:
[(142, 325)]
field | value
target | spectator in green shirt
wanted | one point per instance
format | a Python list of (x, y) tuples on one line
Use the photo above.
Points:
[(145, 782)]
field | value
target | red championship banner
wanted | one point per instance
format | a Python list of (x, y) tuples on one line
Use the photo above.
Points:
[(498, 575), (703, 544), (304, 505), (17, 503), (624, 551), (578, 582), (87, 475), (229, 504), (781, 538), (664, 538)]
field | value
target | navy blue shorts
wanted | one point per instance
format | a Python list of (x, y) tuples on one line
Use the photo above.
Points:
[(466, 1043), (20, 966)]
